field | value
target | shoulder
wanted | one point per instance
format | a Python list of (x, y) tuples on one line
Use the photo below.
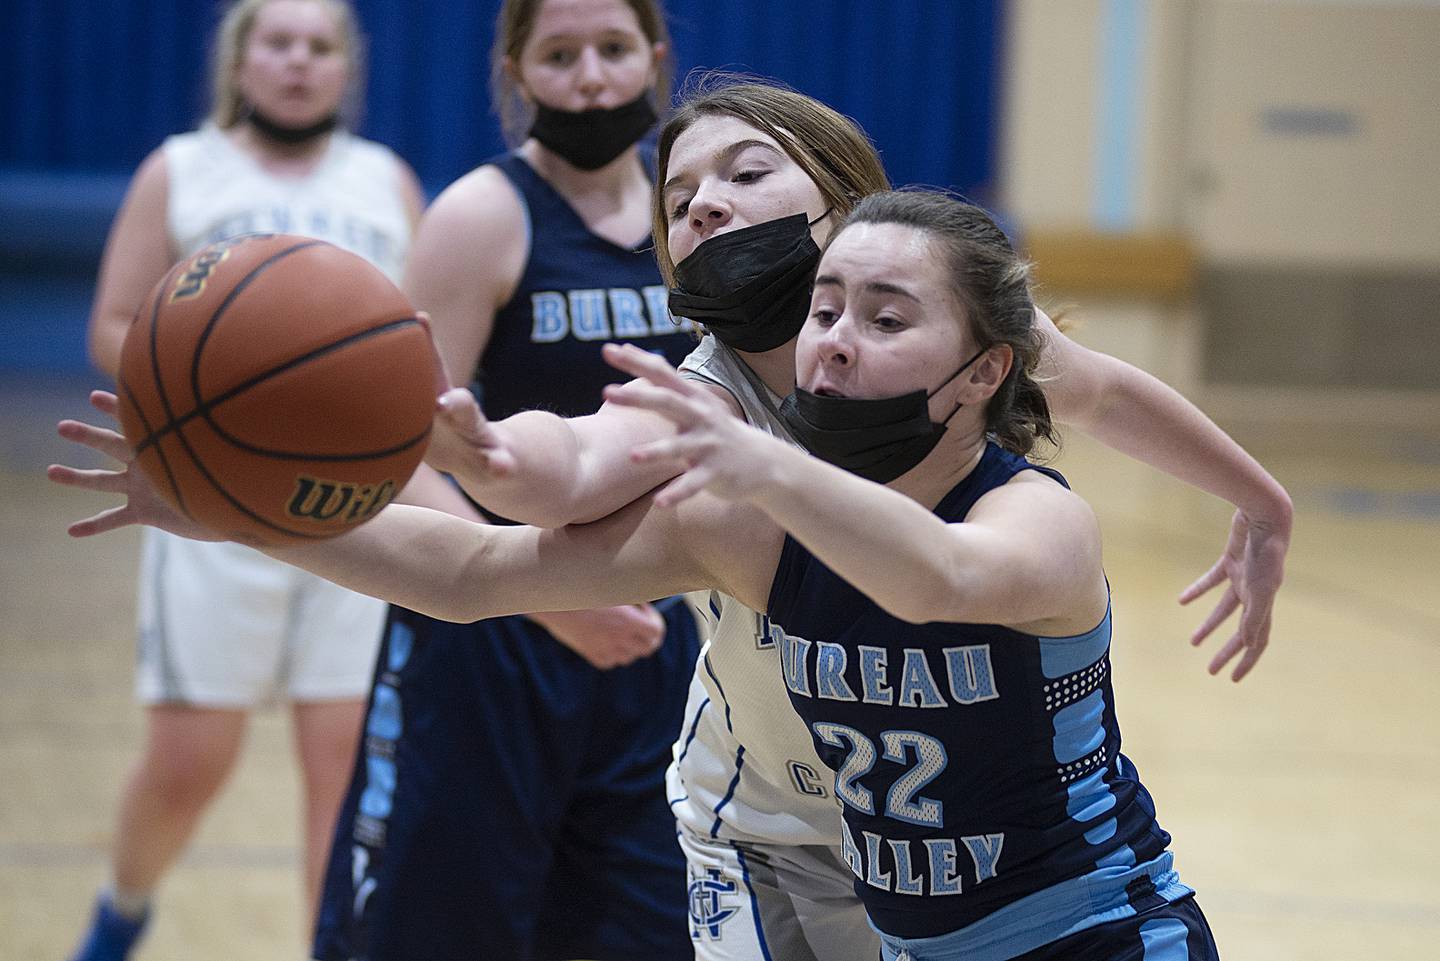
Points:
[(481, 206)]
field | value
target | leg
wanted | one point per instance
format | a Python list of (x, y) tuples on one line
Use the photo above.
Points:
[(618, 887), (189, 751), (446, 834), (326, 735), (188, 754)]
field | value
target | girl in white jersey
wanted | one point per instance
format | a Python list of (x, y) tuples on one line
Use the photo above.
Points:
[(223, 628), (756, 815)]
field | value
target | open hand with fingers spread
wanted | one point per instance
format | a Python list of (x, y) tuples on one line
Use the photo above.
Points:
[(713, 449), (143, 504), (1251, 569)]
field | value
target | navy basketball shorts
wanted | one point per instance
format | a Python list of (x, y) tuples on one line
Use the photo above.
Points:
[(508, 801), (1168, 932)]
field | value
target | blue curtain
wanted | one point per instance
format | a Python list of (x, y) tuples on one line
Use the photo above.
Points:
[(93, 85)]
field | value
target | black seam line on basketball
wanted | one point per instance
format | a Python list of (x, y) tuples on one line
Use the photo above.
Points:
[(155, 362), (203, 410), (235, 503), (219, 311), (159, 451)]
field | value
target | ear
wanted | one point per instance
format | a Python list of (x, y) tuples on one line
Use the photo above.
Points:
[(989, 373), (511, 70), (658, 51)]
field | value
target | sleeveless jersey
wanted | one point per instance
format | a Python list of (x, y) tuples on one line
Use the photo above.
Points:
[(745, 768), (352, 198), (984, 789), (559, 317)]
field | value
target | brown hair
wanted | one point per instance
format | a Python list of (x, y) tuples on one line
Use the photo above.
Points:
[(227, 107), (830, 147), (992, 284), (513, 26)]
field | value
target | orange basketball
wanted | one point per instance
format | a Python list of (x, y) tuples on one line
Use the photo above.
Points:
[(277, 389)]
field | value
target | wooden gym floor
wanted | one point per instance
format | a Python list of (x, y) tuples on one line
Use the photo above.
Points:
[(1305, 802)]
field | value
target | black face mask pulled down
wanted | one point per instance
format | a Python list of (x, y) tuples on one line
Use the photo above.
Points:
[(750, 287), (290, 136), (878, 439), (590, 139)]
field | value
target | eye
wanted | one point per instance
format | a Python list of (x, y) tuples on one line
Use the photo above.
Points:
[(560, 57), (614, 50), (747, 176), (887, 323), (824, 316), (679, 209), (322, 48)]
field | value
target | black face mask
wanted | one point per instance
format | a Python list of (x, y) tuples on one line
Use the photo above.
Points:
[(877, 439), (271, 130), (750, 287), (590, 139)]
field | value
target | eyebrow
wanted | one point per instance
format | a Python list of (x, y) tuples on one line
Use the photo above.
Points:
[(724, 155), (874, 286)]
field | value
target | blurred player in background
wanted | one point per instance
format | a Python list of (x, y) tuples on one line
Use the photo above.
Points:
[(224, 629)]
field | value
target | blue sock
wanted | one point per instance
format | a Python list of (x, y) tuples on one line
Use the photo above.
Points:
[(111, 934)]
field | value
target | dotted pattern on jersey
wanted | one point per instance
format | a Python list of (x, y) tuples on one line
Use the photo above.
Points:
[(1074, 687)]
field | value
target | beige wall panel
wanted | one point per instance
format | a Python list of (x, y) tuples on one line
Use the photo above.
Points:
[(1357, 184)]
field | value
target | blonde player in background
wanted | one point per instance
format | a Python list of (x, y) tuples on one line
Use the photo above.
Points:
[(224, 629)]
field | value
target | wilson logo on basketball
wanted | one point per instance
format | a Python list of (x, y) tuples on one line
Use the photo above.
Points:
[(324, 500), (192, 282)]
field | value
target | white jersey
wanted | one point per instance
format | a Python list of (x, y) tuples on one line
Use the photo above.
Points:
[(353, 197), (745, 768)]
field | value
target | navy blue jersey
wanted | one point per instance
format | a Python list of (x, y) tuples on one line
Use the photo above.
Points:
[(978, 765), (544, 350)]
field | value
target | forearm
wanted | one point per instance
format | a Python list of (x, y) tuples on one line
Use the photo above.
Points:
[(889, 546), (414, 557), (567, 470), (1151, 422)]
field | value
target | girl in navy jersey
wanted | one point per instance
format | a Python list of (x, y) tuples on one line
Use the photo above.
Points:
[(508, 799), (750, 177), (949, 655), (224, 629)]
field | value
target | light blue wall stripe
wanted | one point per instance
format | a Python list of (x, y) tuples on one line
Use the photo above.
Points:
[(1117, 155)]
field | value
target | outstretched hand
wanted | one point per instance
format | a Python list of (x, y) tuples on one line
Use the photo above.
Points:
[(143, 504), (712, 450), (1251, 568)]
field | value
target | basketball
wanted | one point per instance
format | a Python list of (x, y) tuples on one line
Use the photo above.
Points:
[(277, 389)]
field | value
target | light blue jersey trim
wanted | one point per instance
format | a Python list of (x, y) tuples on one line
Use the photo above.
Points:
[(1043, 917), (1164, 939)]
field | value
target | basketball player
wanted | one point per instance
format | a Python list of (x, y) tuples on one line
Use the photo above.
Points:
[(224, 629), (757, 819), (948, 656), (508, 800)]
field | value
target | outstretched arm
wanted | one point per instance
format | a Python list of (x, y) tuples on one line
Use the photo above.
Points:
[(455, 569), (1136, 414)]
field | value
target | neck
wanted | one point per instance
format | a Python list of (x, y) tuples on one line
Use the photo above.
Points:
[(775, 367), (248, 136), (952, 460), (616, 178)]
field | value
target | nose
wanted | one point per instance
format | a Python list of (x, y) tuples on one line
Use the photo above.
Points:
[(590, 75), (835, 346), (708, 212)]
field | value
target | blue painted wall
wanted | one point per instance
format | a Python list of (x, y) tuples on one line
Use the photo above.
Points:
[(88, 87)]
